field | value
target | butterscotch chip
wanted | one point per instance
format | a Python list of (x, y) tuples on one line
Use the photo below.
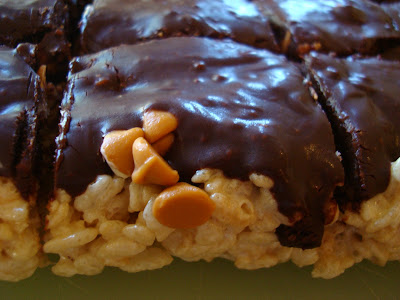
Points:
[(117, 150), (331, 212), (162, 145), (150, 167), (183, 206), (286, 41), (42, 74), (157, 124)]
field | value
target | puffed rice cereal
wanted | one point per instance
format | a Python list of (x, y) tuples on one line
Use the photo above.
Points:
[(112, 224)]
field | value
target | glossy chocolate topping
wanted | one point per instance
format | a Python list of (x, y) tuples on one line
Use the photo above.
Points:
[(391, 54), (341, 26), (393, 9), (17, 98), (363, 99), (29, 20), (239, 109), (109, 23)]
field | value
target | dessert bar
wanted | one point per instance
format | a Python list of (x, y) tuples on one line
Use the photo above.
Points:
[(22, 107), (245, 120)]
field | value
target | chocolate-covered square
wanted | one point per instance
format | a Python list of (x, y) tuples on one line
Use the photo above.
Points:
[(241, 110)]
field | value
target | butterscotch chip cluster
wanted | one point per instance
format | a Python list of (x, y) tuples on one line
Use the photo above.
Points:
[(138, 152)]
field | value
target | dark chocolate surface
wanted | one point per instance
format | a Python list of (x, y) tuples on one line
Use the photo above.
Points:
[(239, 109), (363, 96), (45, 23), (393, 10), (30, 20), (340, 26), (18, 94), (391, 54), (110, 23)]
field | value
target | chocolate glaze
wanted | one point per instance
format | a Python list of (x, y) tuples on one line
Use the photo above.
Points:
[(41, 22), (29, 21), (239, 109), (386, 1), (393, 10), (109, 23), (391, 54), (340, 26), (19, 91), (362, 97)]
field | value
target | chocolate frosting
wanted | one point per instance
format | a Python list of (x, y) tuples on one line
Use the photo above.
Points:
[(341, 26), (239, 109), (363, 97), (393, 9), (17, 98), (28, 21), (391, 54), (109, 23)]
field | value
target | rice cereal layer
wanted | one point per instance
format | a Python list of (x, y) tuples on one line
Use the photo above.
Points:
[(19, 238), (112, 224)]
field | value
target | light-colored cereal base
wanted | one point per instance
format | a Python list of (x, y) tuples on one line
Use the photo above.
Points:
[(103, 227), (112, 224), (373, 233), (19, 239)]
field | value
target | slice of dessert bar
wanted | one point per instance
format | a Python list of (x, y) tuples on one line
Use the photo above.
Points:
[(361, 97), (236, 126), (21, 109)]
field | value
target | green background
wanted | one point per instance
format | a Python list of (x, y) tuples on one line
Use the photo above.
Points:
[(216, 280)]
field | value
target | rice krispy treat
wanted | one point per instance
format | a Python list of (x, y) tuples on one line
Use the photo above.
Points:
[(361, 100), (21, 111), (211, 117)]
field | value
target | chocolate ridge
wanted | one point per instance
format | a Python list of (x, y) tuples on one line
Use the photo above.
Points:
[(361, 100)]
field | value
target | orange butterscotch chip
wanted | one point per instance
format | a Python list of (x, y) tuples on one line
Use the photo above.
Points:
[(157, 124), (162, 145), (42, 74), (117, 150), (183, 206), (331, 212), (150, 167)]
